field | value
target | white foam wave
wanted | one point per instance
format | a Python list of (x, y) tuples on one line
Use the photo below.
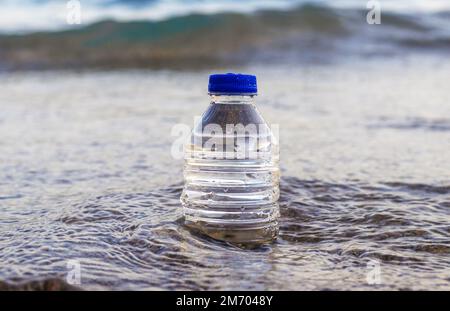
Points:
[(36, 15)]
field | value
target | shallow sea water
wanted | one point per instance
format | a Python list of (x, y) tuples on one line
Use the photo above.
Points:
[(86, 174)]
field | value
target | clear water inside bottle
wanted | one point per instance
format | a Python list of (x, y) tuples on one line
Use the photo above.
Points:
[(231, 173)]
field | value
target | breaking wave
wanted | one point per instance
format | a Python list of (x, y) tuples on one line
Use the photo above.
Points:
[(306, 33)]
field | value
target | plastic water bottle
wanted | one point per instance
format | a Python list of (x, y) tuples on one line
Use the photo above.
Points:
[(231, 166)]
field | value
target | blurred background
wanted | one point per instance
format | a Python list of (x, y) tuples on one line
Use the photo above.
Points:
[(49, 34), (90, 92)]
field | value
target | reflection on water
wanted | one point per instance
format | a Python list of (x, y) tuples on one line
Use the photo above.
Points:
[(86, 174)]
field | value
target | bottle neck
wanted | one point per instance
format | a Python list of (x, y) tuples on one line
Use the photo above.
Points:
[(233, 99)]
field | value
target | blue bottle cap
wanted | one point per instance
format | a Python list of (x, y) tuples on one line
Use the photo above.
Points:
[(232, 84)]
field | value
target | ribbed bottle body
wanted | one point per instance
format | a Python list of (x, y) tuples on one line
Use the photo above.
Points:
[(231, 173)]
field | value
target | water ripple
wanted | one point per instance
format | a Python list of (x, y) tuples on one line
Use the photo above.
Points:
[(329, 227)]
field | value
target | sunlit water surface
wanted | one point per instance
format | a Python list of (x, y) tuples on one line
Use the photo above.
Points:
[(86, 174)]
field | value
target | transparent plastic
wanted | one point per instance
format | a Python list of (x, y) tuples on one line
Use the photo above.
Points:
[(231, 173)]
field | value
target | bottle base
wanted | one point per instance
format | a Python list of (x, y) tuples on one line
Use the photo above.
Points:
[(248, 236)]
